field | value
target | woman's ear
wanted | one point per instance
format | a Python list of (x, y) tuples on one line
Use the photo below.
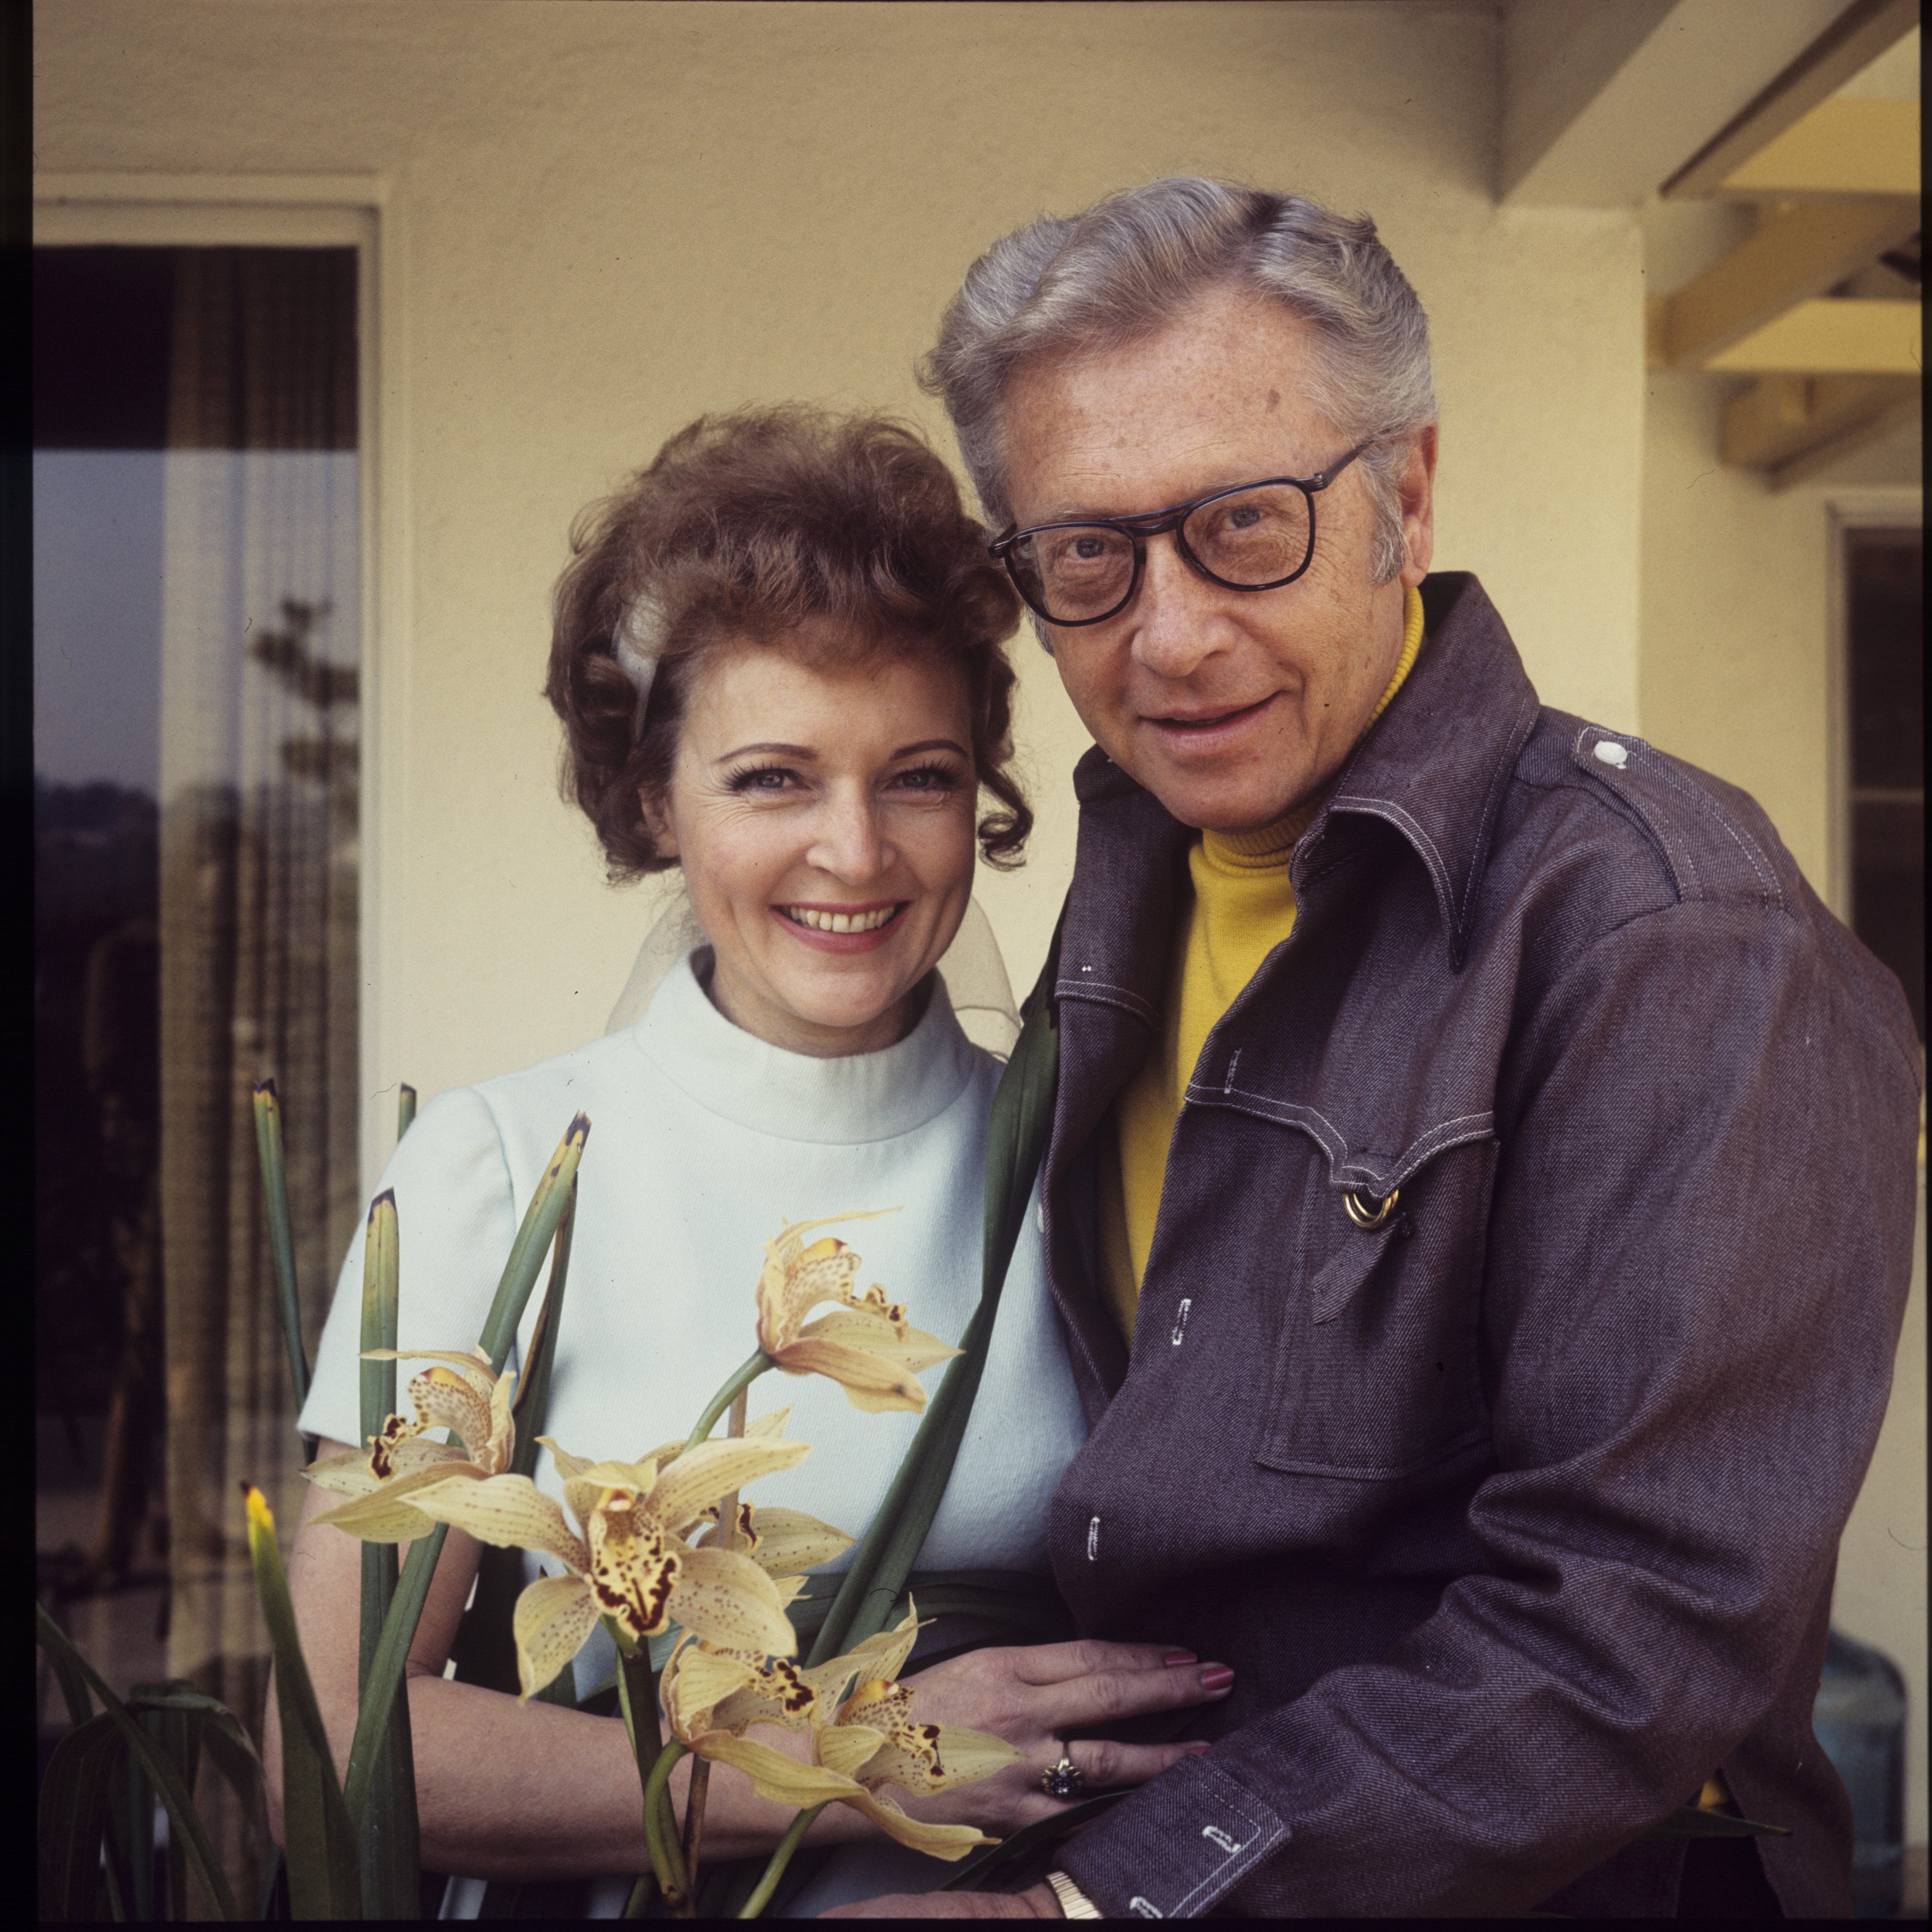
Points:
[(657, 821)]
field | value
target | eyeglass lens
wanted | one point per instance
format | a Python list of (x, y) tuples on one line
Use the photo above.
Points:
[(1084, 572)]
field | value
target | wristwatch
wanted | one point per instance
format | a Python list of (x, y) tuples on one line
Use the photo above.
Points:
[(1073, 1901)]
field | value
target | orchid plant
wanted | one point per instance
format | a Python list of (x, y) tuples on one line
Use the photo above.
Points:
[(665, 1544)]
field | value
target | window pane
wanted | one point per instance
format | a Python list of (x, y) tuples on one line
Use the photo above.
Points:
[(1886, 674), (1885, 576), (197, 650)]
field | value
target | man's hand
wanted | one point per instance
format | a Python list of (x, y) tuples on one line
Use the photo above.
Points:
[(1036, 1902)]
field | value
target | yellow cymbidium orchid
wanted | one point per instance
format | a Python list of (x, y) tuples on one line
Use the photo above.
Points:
[(631, 1562), (710, 1690), (468, 1398), (712, 1698), (865, 1344)]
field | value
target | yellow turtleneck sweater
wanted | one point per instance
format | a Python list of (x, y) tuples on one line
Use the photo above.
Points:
[(1242, 908)]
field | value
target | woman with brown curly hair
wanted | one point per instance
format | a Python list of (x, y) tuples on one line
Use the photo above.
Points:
[(778, 657)]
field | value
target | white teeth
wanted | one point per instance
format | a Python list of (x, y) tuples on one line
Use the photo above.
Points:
[(841, 922)]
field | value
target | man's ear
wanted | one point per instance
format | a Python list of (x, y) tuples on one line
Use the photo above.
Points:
[(657, 821), (1416, 490)]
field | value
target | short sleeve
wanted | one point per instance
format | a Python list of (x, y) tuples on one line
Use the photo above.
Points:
[(455, 1219)]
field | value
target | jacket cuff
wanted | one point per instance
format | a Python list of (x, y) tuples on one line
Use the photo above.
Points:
[(1175, 1847)]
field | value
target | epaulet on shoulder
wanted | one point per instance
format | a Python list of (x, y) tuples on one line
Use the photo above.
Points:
[(1711, 853)]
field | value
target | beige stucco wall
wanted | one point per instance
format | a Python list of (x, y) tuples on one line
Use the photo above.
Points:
[(603, 219)]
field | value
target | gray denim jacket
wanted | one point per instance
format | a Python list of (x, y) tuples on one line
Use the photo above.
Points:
[(1517, 1513)]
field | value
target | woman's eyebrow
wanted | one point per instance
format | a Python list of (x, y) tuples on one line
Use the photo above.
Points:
[(767, 751), (929, 745)]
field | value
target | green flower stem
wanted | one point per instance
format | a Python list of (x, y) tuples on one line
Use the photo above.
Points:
[(638, 1905), (700, 1790), (742, 1377), (661, 1830), (781, 1857)]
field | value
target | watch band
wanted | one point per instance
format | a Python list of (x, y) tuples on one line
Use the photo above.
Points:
[(1073, 1901)]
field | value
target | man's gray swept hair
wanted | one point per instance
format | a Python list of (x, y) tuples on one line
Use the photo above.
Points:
[(1131, 263)]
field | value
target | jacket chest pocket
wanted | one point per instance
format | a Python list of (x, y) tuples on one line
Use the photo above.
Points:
[(1378, 1371)]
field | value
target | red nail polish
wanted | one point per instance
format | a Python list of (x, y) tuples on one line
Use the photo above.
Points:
[(1216, 1677), (1174, 1656), (1195, 1750)]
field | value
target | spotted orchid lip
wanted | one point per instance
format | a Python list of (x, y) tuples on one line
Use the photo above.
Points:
[(843, 918)]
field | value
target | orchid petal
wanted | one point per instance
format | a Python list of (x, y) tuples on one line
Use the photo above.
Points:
[(553, 1617), (701, 1475), (728, 1600), (510, 1511), (788, 1539), (381, 1515), (848, 1748), (910, 1348), (936, 1841), (782, 1779), (870, 1382)]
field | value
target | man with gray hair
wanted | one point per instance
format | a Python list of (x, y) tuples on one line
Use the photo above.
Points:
[(1481, 1187)]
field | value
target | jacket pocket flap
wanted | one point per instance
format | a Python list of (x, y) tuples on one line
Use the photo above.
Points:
[(1334, 1288)]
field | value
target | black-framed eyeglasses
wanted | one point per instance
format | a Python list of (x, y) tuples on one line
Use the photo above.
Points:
[(1256, 536)]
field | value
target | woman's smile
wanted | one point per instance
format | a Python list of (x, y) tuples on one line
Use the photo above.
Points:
[(842, 929)]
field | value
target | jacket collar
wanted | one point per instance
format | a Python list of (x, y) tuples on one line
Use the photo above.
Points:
[(1435, 766)]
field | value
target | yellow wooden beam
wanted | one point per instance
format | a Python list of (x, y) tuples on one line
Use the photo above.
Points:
[(1855, 436), (1780, 418), (1840, 337), (1840, 148), (1863, 31), (1795, 255)]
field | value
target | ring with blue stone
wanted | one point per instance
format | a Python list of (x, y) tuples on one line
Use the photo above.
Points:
[(1063, 1780)]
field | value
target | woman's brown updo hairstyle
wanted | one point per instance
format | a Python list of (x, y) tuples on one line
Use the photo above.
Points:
[(834, 538)]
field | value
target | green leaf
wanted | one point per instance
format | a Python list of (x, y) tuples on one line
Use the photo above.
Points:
[(1015, 1142), (281, 1237), (532, 1399), (73, 1688), (405, 1111), (75, 1792), (389, 1837), (177, 1723), (1043, 1831), (527, 1254), (184, 1821), (317, 1837), (1692, 1821), (381, 1685)]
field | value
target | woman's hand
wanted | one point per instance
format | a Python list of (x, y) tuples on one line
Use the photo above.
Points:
[(1032, 1696)]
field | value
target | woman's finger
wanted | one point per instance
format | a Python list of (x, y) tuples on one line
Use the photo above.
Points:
[(1055, 1663), (1106, 1765), (1104, 1696)]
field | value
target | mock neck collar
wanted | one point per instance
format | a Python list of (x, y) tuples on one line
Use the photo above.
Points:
[(795, 1097)]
